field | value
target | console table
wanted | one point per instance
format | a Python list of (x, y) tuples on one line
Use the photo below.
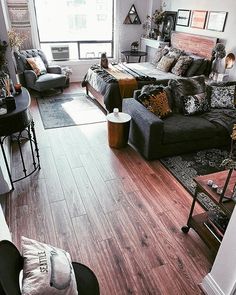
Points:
[(19, 125)]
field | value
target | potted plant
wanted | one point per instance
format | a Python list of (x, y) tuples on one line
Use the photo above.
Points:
[(158, 18)]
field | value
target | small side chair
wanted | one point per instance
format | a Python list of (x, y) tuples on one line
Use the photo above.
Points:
[(52, 78)]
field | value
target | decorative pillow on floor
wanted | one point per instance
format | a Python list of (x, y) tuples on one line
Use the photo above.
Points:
[(195, 104), (37, 65), (222, 97), (157, 103), (182, 65), (47, 270), (165, 63)]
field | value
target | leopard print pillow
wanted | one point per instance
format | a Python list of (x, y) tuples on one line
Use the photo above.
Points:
[(157, 103)]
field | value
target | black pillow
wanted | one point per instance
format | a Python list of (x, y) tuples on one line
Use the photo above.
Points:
[(202, 70), (195, 65)]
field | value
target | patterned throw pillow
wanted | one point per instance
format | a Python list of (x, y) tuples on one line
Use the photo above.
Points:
[(158, 55), (182, 65), (165, 63), (157, 103), (37, 65), (195, 104), (222, 97), (46, 270)]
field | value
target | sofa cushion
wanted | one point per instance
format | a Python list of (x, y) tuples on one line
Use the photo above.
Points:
[(180, 128), (37, 65), (157, 103), (223, 96), (195, 104), (184, 87), (158, 55), (152, 88)]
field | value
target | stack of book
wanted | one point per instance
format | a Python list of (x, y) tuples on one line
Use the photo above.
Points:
[(217, 223)]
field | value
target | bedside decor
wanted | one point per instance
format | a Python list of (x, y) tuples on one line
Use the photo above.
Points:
[(218, 53), (158, 18), (134, 46)]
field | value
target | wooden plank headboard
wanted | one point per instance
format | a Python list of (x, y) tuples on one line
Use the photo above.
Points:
[(196, 44)]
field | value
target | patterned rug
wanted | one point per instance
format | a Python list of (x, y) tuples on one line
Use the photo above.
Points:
[(185, 167), (62, 110)]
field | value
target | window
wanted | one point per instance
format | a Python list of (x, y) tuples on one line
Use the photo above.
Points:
[(84, 26)]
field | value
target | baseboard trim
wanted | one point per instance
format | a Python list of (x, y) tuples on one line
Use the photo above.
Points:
[(210, 286)]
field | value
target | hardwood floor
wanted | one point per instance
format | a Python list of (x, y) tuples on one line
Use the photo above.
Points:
[(111, 209)]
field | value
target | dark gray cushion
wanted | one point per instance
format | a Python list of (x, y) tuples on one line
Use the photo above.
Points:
[(195, 65), (184, 87), (179, 128)]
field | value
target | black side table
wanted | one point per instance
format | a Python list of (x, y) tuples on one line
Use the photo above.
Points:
[(19, 125), (139, 54)]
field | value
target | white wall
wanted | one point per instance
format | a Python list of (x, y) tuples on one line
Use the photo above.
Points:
[(228, 36)]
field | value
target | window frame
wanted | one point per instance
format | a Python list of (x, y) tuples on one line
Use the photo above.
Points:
[(80, 41)]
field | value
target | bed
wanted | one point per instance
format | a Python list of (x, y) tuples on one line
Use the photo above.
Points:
[(104, 84)]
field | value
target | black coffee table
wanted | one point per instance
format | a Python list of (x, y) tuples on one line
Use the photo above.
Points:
[(129, 53)]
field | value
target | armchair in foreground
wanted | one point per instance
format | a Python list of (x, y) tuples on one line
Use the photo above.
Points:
[(35, 72)]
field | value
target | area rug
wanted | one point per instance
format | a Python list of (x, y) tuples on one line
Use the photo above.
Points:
[(63, 110), (185, 167)]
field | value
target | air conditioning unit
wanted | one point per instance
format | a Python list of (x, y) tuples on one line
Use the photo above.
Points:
[(60, 52)]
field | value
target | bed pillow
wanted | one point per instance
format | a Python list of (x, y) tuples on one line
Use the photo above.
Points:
[(165, 63), (193, 68), (204, 68), (158, 55), (195, 104), (157, 103), (47, 270), (182, 65), (184, 87), (37, 65), (223, 97)]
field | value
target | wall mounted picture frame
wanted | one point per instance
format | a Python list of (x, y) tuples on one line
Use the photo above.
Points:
[(198, 19), (216, 20), (183, 17)]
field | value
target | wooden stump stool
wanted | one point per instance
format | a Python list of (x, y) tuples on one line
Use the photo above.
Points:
[(118, 129)]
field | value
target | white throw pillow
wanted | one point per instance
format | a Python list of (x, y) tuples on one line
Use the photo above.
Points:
[(37, 65), (47, 270)]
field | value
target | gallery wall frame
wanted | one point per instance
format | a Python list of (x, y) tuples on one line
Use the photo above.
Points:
[(216, 20), (198, 19), (183, 17)]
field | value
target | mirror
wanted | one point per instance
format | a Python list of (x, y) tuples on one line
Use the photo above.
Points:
[(132, 17), (168, 25), (229, 61)]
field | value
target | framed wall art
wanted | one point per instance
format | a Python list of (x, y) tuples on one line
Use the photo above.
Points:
[(216, 20), (198, 19), (183, 17)]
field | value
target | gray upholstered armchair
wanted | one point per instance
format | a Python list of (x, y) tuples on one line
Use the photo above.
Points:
[(51, 78)]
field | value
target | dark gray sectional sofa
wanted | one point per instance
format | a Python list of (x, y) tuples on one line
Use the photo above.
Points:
[(155, 138)]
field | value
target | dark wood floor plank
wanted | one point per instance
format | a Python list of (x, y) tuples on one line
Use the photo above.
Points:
[(93, 208), (64, 229), (69, 187), (48, 167), (108, 203)]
